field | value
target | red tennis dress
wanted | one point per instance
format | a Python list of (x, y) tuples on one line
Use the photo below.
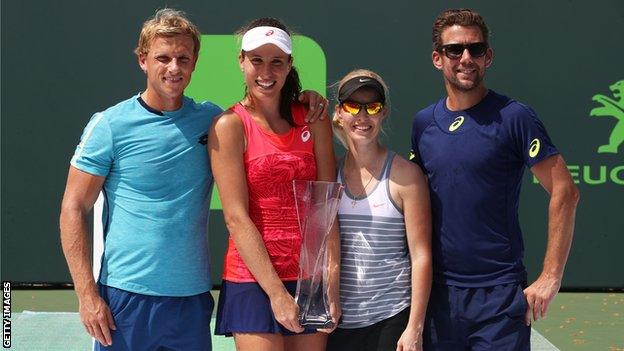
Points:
[(272, 162)]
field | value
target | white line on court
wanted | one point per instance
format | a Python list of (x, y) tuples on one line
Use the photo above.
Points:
[(540, 343), (41, 331)]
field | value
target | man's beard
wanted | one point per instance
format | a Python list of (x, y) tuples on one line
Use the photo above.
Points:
[(457, 84)]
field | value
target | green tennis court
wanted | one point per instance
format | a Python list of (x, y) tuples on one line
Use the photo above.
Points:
[(47, 320)]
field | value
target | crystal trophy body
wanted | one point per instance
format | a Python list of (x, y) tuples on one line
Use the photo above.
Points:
[(317, 204)]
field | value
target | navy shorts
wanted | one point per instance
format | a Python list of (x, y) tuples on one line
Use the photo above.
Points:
[(147, 322), (490, 318), (381, 336), (246, 308)]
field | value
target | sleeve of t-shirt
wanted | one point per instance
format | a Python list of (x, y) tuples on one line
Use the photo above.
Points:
[(418, 125), (530, 140), (94, 153), (211, 109)]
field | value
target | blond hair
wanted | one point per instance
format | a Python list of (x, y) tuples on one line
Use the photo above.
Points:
[(339, 132), (167, 23)]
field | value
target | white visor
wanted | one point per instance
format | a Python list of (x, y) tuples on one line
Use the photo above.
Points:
[(258, 36)]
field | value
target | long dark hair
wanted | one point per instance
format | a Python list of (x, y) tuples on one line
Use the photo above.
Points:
[(292, 86)]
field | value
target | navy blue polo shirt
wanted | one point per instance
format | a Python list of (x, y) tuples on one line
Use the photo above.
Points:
[(474, 160)]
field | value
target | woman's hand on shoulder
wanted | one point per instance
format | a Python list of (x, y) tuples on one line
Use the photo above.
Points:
[(316, 105)]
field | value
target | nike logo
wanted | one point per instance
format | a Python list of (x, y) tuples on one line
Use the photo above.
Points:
[(364, 80), (379, 205)]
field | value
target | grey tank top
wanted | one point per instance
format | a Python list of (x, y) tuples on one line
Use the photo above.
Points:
[(375, 264)]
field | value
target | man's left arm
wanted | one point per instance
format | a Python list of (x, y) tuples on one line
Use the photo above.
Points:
[(554, 176)]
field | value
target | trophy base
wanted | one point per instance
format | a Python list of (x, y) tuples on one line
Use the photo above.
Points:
[(320, 322)]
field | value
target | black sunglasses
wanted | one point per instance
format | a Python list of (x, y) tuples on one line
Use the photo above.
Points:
[(455, 51)]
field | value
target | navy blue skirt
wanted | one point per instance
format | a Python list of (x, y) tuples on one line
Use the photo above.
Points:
[(246, 308)]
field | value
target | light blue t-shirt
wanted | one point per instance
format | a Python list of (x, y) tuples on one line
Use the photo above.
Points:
[(157, 193)]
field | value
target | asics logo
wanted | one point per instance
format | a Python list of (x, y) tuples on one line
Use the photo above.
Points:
[(534, 147), (305, 135), (457, 122)]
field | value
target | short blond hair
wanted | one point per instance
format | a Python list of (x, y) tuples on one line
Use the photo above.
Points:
[(167, 22), (336, 126)]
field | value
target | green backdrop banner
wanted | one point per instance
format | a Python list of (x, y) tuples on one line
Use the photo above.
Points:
[(63, 61)]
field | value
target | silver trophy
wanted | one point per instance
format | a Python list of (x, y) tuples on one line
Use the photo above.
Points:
[(317, 205)]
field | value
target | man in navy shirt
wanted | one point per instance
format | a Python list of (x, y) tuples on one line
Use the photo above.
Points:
[(473, 145)]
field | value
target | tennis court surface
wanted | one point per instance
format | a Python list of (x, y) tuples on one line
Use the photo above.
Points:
[(47, 320)]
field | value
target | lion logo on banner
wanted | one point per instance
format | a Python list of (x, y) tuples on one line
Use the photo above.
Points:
[(613, 108)]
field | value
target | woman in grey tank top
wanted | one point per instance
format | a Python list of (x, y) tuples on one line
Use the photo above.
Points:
[(385, 228)]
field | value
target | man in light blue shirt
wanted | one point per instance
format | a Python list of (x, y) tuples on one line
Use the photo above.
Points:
[(147, 156)]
